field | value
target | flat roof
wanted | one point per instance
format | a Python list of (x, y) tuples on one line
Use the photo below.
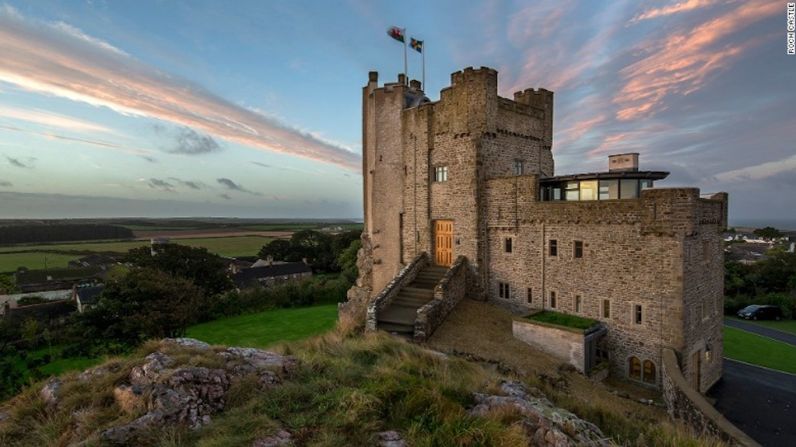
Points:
[(645, 175)]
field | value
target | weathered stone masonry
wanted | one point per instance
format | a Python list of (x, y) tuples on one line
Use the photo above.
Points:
[(659, 250)]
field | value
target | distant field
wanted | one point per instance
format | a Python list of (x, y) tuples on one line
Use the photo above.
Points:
[(262, 329), (225, 246), (752, 348), (33, 260)]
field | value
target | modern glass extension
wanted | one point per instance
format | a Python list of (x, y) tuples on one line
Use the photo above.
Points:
[(598, 186)]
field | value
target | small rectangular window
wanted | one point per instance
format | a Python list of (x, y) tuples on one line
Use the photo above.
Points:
[(572, 191), (507, 245), (606, 308), (530, 295), (577, 303), (518, 167), (553, 247), (628, 189), (637, 313), (504, 291), (441, 174), (552, 300), (578, 249)]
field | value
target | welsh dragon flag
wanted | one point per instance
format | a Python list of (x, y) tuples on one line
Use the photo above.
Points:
[(396, 33)]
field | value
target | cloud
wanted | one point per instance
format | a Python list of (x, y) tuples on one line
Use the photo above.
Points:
[(24, 164), (681, 62), (196, 185), (59, 60), (225, 196), (145, 153), (760, 171), (161, 185), (232, 186), (188, 141), (6, 184), (52, 120), (675, 8)]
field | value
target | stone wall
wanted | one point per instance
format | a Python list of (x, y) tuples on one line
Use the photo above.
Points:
[(686, 404), (563, 343), (390, 291), (447, 294)]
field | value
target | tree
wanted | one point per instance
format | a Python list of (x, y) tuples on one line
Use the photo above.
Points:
[(768, 233), (278, 249), (146, 303), (205, 269), (7, 284), (348, 261), (30, 329)]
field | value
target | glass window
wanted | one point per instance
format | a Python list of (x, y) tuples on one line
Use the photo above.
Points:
[(588, 190), (577, 303), (507, 244), (609, 189), (518, 167), (628, 189), (553, 247), (637, 313), (530, 295), (578, 249), (441, 174), (553, 300), (649, 371), (556, 193), (606, 308), (634, 368), (645, 184), (572, 191), (504, 290)]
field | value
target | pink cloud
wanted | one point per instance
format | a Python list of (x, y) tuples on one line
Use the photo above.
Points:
[(675, 8), (60, 60)]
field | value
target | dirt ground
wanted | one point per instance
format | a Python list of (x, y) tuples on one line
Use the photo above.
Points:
[(484, 330)]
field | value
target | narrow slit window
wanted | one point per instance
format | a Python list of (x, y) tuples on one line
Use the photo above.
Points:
[(606, 308), (578, 249), (530, 295), (507, 245), (577, 303), (552, 300), (553, 247), (637, 314)]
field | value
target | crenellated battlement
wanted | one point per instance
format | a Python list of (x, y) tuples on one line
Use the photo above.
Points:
[(471, 73)]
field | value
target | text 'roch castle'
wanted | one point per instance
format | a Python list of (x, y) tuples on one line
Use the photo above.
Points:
[(462, 202)]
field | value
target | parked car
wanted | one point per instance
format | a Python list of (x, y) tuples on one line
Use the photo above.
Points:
[(760, 312)]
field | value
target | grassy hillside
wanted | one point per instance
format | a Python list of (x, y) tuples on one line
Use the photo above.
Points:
[(344, 392)]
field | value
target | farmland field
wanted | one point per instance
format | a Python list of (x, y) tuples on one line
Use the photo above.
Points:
[(225, 246), (33, 260)]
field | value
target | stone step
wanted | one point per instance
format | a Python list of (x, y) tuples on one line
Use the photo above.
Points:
[(407, 301), (426, 274), (423, 284), (400, 329), (417, 291), (398, 315)]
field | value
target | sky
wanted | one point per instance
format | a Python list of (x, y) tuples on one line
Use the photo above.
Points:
[(253, 108)]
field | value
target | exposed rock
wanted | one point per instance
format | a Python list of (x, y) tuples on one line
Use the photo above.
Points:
[(93, 373), (49, 392), (127, 434), (191, 343), (391, 438), (544, 423), (149, 371), (259, 359), (281, 438), (4, 416)]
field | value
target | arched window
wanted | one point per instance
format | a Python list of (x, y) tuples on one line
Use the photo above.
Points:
[(649, 371), (634, 368)]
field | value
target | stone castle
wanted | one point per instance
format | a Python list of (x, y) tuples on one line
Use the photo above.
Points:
[(461, 201)]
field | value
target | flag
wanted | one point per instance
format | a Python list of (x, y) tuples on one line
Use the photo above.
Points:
[(416, 45), (396, 33)]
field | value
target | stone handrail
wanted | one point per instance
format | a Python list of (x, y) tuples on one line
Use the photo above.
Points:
[(447, 294), (390, 291), (687, 404)]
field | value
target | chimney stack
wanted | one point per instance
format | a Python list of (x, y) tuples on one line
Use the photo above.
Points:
[(623, 162), (401, 78)]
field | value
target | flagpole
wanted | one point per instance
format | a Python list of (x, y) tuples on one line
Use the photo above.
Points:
[(406, 69), (423, 47)]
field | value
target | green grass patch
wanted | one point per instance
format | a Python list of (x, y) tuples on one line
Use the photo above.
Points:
[(265, 328), (33, 260), (752, 348), (782, 325), (561, 319)]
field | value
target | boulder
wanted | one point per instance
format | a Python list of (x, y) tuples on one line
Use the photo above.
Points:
[(148, 373), (190, 343), (259, 359), (545, 424), (391, 438), (280, 438), (49, 392)]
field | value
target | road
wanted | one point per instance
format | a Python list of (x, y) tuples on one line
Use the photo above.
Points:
[(761, 330), (759, 401)]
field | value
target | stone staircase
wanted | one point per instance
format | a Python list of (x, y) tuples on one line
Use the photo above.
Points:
[(399, 317)]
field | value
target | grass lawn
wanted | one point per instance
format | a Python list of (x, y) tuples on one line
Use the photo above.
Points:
[(265, 328), (58, 365), (782, 325), (752, 348), (33, 260), (560, 319)]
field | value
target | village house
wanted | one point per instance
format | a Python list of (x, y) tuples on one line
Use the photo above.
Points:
[(461, 199), (270, 273)]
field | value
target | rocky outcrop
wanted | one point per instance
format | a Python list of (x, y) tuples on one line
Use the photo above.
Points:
[(190, 395), (544, 423), (279, 439), (49, 392), (391, 439)]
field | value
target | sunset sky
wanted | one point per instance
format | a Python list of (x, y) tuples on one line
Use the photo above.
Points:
[(252, 108)]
